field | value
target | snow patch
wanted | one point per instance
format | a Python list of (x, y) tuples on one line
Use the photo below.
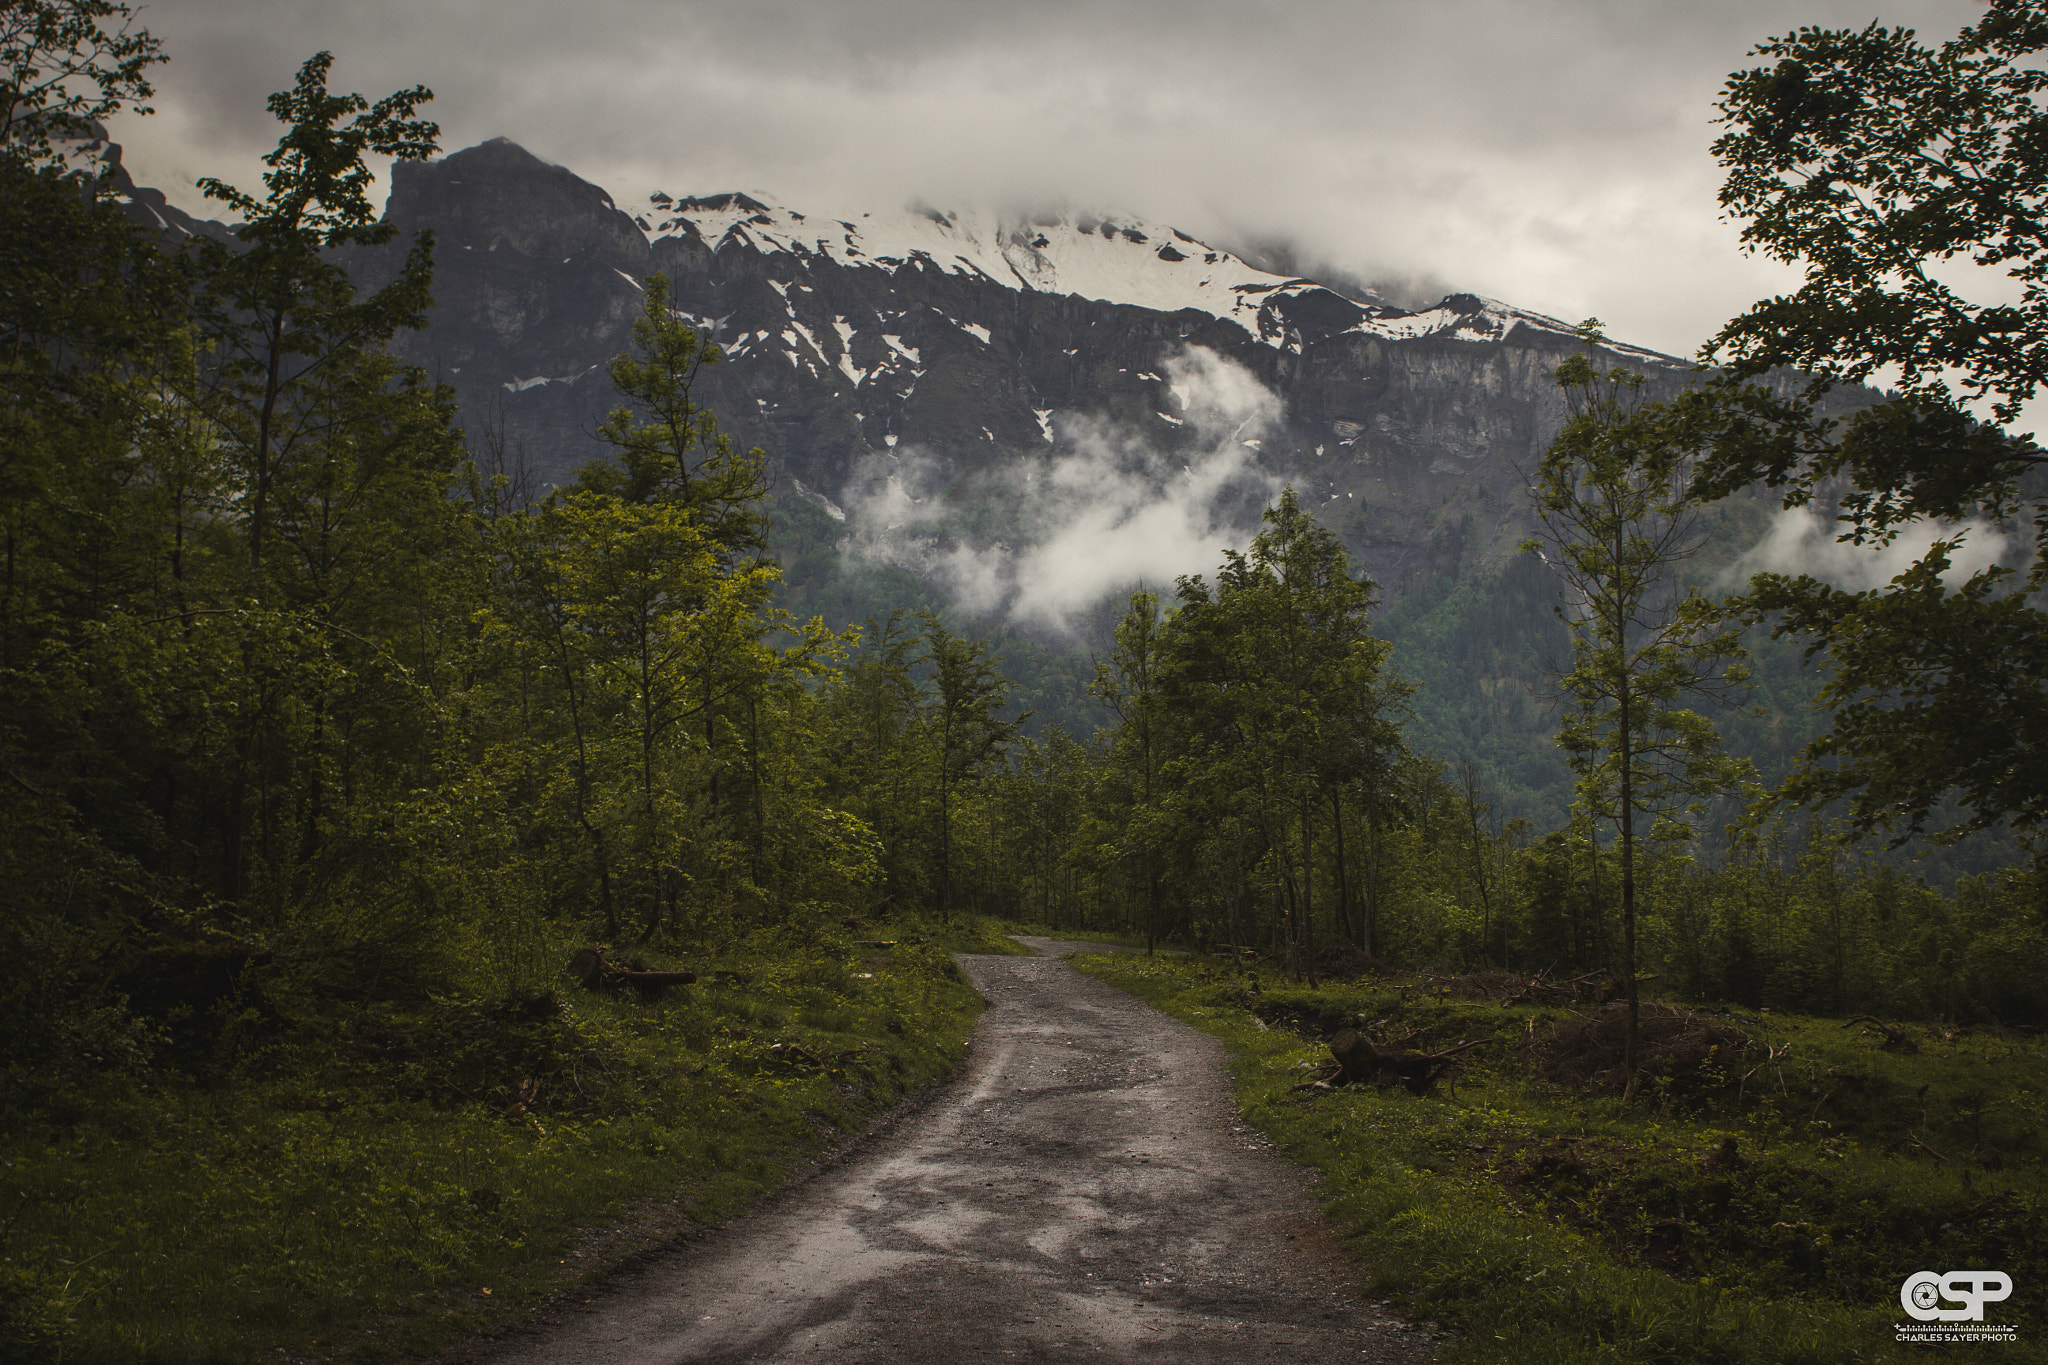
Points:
[(846, 365), (522, 385), (805, 332), (817, 499)]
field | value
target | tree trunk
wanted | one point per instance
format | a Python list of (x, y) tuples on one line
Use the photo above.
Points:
[(1471, 779), (1372, 881), (1308, 883), (945, 848), (272, 388), (1343, 878), (1628, 901), (760, 799), (1592, 930), (591, 831), (711, 739)]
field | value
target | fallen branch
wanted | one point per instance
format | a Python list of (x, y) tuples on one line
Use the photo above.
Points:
[(1814, 1117), (594, 967), (1938, 1157), (790, 1050), (1359, 1059), (1895, 1039)]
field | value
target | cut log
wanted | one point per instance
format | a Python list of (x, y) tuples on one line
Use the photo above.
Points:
[(597, 971), (1360, 1059), (1357, 1059)]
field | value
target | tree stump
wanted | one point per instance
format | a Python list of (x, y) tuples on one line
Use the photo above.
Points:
[(1359, 1059)]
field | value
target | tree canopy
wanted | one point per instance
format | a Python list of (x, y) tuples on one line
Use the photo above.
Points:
[(1909, 183), (1611, 495)]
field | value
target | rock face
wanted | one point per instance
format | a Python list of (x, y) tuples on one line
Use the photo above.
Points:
[(1009, 400), (976, 343)]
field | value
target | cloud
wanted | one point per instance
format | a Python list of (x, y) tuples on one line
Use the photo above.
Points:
[(1107, 510), (1552, 153), (1801, 541)]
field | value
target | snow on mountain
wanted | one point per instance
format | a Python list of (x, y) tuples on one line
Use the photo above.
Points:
[(977, 346), (1113, 258)]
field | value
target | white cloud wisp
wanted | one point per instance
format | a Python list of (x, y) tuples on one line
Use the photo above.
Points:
[(1108, 510), (1801, 541)]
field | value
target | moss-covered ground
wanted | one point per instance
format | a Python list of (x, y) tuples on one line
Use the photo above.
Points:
[(1760, 1200), (371, 1180)]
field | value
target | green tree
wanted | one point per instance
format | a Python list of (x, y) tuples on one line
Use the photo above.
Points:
[(678, 454), (876, 749), (1611, 494), (635, 582), (963, 717), (64, 66), (1910, 184), (1128, 683), (1050, 785), (295, 380), (82, 293), (1283, 683), (280, 307)]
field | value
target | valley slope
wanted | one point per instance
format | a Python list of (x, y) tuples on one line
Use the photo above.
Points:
[(940, 392)]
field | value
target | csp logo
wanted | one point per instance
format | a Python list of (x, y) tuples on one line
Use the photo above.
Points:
[(1922, 1293)]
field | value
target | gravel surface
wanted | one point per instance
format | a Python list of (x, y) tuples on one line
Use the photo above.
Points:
[(1082, 1189)]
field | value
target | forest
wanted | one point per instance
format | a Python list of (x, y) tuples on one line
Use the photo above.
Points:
[(327, 740)]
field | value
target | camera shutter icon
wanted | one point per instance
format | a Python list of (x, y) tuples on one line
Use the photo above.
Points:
[(1923, 1292)]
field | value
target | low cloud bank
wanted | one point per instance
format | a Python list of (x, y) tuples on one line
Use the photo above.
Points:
[(1801, 541), (1106, 509)]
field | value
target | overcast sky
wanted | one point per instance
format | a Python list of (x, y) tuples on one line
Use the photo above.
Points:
[(1551, 153)]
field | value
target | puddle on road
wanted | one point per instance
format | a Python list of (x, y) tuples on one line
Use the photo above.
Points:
[(1083, 1191)]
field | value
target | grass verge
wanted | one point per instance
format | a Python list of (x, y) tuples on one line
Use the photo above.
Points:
[(1759, 1205), (374, 1180), (1110, 936)]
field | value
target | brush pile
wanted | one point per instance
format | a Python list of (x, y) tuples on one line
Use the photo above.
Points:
[(1683, 1049), (1356, 1059), (1521, 988)]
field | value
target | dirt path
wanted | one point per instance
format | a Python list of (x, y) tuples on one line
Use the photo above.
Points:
[(1081, 1190)]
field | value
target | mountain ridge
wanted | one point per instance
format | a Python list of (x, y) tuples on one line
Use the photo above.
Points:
[(1029, 453), (851, 344)]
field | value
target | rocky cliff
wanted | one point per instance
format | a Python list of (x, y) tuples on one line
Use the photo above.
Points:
[(944, 351), (1032, 412)]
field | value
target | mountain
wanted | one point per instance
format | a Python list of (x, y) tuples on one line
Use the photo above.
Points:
[(1022, 416), (973, 342), (1028, 414)]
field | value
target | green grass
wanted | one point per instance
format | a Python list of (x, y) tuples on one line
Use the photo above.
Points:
[(1548, 1222), (966, 934), (367, 1176), (1071, 935)]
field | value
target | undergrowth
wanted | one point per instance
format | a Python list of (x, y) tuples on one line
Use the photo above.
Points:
[(1760, 1202), (373, 1179)]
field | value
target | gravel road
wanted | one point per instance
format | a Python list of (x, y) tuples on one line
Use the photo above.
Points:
[(1082, 1189)]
